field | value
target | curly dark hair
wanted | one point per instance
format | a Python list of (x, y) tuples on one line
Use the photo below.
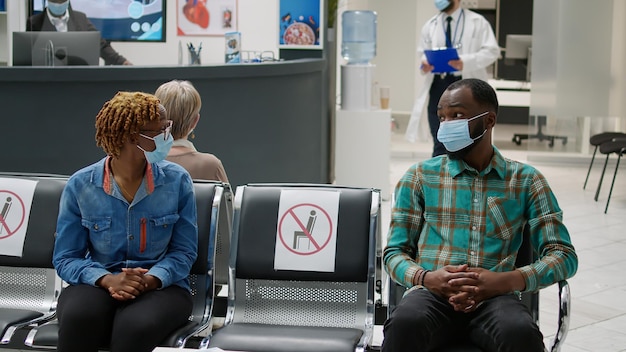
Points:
[(122, 116)]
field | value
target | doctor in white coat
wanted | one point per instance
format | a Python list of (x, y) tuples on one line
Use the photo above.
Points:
[(477, 48)]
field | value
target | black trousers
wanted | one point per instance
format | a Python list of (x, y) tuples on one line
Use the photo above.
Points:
[(437, 88), (423, 322), (90, 318)]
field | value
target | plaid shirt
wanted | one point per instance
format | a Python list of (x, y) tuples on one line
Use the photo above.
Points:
[(447, 213)]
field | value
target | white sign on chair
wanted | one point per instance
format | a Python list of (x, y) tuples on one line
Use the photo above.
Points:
[(306, 234), (16, 197)]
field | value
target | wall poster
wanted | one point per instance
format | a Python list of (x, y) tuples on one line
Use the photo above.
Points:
[(206, 17), (299, 24)]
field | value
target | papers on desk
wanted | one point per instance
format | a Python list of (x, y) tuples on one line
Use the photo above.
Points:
[(440, 58)]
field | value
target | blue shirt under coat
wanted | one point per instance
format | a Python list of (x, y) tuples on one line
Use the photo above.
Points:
[(99, 232)]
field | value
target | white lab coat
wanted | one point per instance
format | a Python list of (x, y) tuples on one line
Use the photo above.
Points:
[(478, 50)]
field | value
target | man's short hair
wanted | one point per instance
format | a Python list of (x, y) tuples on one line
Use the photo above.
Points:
[(482, 92)]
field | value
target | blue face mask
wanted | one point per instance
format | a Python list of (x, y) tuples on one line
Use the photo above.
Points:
[(455, 134), (442, 4), (58, 9), (162, 147)]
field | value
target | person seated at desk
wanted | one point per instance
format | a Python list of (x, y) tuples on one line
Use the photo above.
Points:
[(59, 16), (126, 235), (182, 102)]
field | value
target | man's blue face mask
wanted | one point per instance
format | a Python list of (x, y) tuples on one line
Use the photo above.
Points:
[(58, 9), (455, 134), (442, 4)]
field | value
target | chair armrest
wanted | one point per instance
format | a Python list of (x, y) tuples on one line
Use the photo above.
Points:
[(10, 331), (564, 316)]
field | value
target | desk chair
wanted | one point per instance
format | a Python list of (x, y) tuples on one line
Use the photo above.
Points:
[(540, 121), (530, 299), (210, 197), (30, 286), (617, 146), (299, 310)]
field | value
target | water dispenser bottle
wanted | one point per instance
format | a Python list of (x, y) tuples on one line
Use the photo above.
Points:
[(359, 36)]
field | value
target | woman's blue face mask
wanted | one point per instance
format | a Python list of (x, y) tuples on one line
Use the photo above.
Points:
[(455, 134), (163, 143)]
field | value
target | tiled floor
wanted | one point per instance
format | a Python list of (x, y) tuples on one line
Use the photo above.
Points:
[(598, 290)]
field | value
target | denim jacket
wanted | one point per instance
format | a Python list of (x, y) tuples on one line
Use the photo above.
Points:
[(99, 233)]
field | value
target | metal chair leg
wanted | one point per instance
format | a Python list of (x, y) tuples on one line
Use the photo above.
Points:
[(590, 165), (606, 161), (619, 156)]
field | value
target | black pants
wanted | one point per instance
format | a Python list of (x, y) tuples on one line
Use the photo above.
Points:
[(90, 318), (437, 88), (423, 321)]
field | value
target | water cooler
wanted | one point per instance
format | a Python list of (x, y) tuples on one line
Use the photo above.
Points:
[(358, 48), (362, 132)]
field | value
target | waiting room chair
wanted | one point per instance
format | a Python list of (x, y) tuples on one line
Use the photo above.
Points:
[(212, 213), (617, 146), (596, 140), (222, 254), (300, 309), (530, 299), (30, 286)]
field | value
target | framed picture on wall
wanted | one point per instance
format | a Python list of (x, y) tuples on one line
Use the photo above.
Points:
[(206, 17), (299, 24)]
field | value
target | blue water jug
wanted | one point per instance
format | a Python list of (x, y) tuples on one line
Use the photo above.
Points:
[(358, 44)]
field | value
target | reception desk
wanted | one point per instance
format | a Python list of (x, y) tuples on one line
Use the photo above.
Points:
[(267, 122)]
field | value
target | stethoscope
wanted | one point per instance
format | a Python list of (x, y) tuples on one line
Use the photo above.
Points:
[(456, 29)]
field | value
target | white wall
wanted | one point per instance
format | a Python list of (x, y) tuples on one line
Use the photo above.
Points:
[(399, 23), (257, 21)]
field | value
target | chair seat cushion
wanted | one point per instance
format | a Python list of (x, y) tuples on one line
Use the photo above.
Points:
[(616, 146), (10, 317), (275, 338)]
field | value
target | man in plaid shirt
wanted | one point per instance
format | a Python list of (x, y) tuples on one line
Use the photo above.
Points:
[(456, 229)]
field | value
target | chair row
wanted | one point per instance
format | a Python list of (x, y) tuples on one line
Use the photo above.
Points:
[(299, 261)]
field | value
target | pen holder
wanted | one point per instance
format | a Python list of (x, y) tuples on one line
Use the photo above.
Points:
[(194, 57)]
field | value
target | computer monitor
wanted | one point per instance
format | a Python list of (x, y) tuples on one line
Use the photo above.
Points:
[(56, 48), (519, 49), (517, 46)]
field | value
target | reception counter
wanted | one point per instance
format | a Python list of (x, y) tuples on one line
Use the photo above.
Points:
[(267, 122)]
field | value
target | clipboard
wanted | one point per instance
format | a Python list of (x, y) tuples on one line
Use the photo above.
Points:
[(440, 57)]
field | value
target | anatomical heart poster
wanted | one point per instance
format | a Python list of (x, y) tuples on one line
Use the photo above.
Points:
[(206, 17)]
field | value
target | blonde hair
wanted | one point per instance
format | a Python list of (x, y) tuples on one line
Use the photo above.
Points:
[(124, 115), (182, 102)]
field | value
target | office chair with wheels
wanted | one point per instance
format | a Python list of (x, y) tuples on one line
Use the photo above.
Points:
[(596, 140), (540, 121)]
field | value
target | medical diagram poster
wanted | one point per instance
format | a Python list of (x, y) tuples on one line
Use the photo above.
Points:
[(300, 24), (206, 17)]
